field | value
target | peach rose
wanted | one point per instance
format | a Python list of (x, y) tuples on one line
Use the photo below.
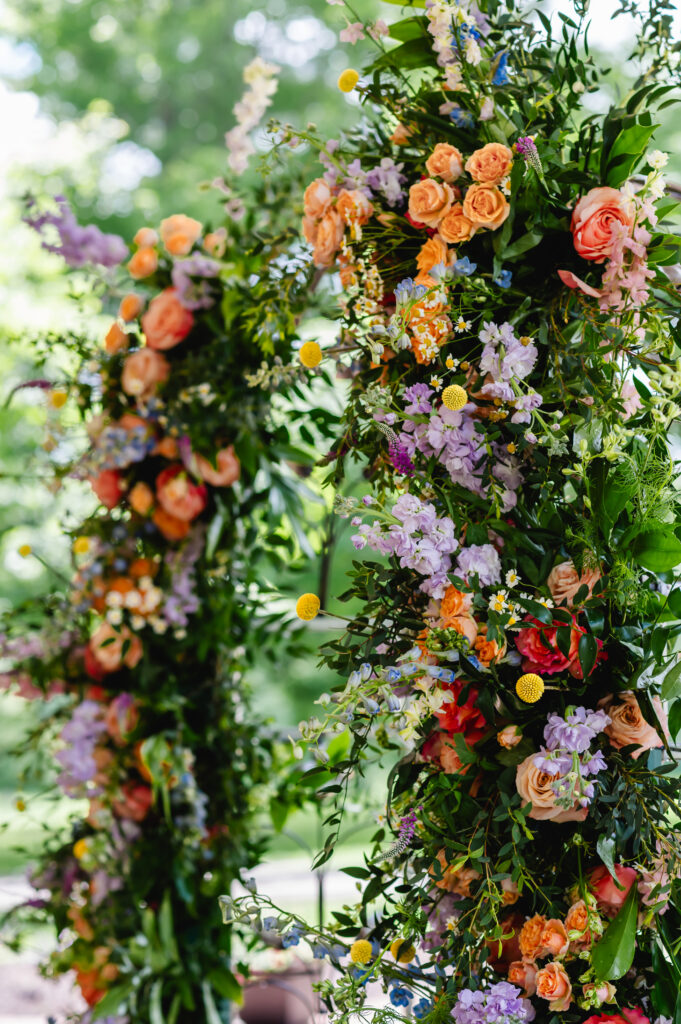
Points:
[(523, 973), (534, 786), (115, 340), (627, 724), (106, 643), (577, 920), (135, 801), (429, 201), (554, 984), (141, 498), (445, 162), (529, 939), (401, 135), (131, 306), (166, 322), (309, 228), (215, 242), (554, 939), (317, 199), (178, 495), (490, 164), (143, 371), (610, 895), (143, 263), (179, 233), (456, 880), (432, 252), (108, 486), (328, 237), (509, 737), (564, 581), (455, 227), (171, 527), (354, 207), (146, 238), (225, 474), (596, 220), (449, 759), (485, 207)]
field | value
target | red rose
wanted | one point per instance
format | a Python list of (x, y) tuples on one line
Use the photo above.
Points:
[(541, 653), (465, 719), (629, 1016), (108, 487), (608, 895)]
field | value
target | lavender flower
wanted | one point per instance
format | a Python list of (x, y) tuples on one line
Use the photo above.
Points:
[(482, 559), (195, 294), (576, 730), (76, 244), (181, 600), (80, 737), (501, 1003), (387, 180), (527, 149)]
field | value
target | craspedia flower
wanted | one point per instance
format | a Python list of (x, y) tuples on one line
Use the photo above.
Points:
[(361, 951), (310, 354), (406, 953), (530, 687), (454, 397), (348, 79), (81, 545), (307, 607)]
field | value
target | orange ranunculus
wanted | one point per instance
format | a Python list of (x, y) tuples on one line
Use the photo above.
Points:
[(317, 199), (445, 162), (171, 527), (509, 737), (131, 306), (490, 164), (529, 939), (143, 371), (456, 227), (179, 233), (178, 495), (432, 252), (485, 207), (116, 340), (143, 263), (166, 322), (224, 474), (354, 207), (107, 643), (430, 201), (108, 486), (554, 984), (596, 218), (487, 651), (327, 239), (141, 498)]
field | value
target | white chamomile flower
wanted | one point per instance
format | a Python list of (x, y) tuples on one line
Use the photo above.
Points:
[(137, 622), (435, 383), (498, 601), (505, 185), (512, 578), (546, 601), (114, 616), (462, 325), (450, 924), (114, 599)]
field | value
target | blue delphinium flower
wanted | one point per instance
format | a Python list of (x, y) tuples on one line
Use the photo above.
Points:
[(503, 280), (291, 938), (421, 1008), (400, 995), (465, 267), (319, 951), (461, 118), (500, 76), (270, 924)]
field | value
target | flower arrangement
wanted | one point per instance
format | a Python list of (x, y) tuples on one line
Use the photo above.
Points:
[(508, 307)]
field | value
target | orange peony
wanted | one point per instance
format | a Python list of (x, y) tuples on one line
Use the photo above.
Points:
[(490, 164), (456, 227), (143, 371), (429, 201), (179, 233), (485, 207), (327, 239), (596, 219), (166, 322), (445, 162), (143, 263), (554, 984)]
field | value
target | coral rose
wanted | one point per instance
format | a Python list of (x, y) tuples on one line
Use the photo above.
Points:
[(596, 220), (523, 973), (490, 164), (108, 486), (485, 207), (455, 227), (564, 581), (445, 162), (327, 239), (432, 252), (429, 201), (610, 895), (143, 263), (317, 199), (179, 233), (107, 645), (131, 306), (534, 786), (141, 498), (627, 724), (116, 340), (628, 1016), (178, 495), (143, 371), (554, 939), (224, 474), (354, 207), (554, 984), (134, 803), (171, 527), (166, 322)]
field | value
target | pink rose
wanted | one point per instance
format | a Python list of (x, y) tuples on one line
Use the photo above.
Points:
[(593, 220), (178, 495), (108, 486), (627, 724), (166, 322), (143, 371), (564, 581), (633, 1016), (608, 896)]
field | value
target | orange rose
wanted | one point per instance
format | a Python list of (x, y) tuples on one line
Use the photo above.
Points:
[(171, 527), (509, 737), (317, 199), (178, 495), (225, 474), (141, 498), (429, 201), (490, 164), (454, 602), (456, 227), (116, 340), (485, 207), (487, 651), (628, 726), (309, 227), (143, 263), (453, 880), (143, 371), (577, 920), (564, 582), (534, 786), (523, 974), (554, 984), (445, 162), (179, 233), (166, 322), (327, 239), (530, 936), (432, 252), (146, 238), (131, 306), (554, 939), (596, 219), (106, 643)]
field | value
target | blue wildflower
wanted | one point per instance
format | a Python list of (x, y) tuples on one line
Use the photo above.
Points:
[(371, 705), (393, 703), (270, 924), (393, 674), (465, 267), (474, 661), (421, 1008), (500, 76), (461, 118), (400, 995), (360, 974), (290, 938), (319, 951), (503, 280)]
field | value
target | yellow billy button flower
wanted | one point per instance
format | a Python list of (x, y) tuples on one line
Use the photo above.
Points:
[(348, 79), (530, 687), (454, 397), (307, 607), (310, 354), (58, 399), (80, 849), (81, 545), (25, 550), (406, 953), (361, 951)]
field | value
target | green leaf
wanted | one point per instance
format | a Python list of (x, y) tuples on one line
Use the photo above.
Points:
[(224, 982), (626, 151), (671, 687), (415, 53), (212, 1015), (409, 28), (675, 719), (588, 652), (657, 550), (361, 873), (521, 245), (606, 848), (155, 1004), (613, 954), (113, 1001)]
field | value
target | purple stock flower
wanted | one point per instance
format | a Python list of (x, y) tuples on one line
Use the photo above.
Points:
[(78, 245), (195, 294), (182, 601), (501, 1003), (482, 559), (576, 731)]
